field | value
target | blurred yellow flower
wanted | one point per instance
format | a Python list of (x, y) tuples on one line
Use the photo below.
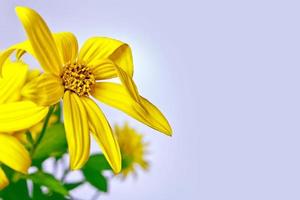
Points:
[(75, 76), (133, 149), (13, 153), (17, 112)]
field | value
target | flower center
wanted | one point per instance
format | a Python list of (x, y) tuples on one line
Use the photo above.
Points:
[(78, 78)]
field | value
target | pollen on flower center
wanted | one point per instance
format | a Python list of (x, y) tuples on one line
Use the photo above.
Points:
[(78, 78)]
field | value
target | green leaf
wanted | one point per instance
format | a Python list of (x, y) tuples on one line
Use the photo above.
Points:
[(93, 169), (71, 186), (17, 187), (95, 178), (98, 163), (53, 143), (45, 179), (15, 191), (55, 196), (37, 192)]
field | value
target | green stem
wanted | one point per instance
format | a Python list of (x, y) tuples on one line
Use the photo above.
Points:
[(64, 176), (66, 170), (29, 138), (41, 135)]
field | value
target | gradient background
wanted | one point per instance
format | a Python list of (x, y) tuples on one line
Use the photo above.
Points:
[(226, 75)]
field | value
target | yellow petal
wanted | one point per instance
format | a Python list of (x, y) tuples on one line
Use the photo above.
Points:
[(44, 90), (77, 130), (41, 39), (3, 179), (20, 115), (14, 77), (103, 69), (98, 48), (19, 48), (116, 96), (21, 136), (10, 68), (103, 134), (34, 73), (13, 153), (67, 46), (128, 83)]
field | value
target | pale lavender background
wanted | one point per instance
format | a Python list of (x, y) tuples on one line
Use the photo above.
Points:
[(225, 73)]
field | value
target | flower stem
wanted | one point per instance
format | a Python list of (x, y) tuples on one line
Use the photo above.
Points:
[(29, 138), (41, 135), (64, 176)]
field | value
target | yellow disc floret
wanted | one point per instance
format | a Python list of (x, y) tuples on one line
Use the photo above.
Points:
[(78, 78)]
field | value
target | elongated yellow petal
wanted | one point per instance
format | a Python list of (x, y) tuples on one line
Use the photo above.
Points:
[(67, 46), (116, 96), (44, 90), (3, 179), (103, 134), (14, 77), (13, 153), (20, 115), (98, 48), (128, 83), (40, 39), (103, 69), (77, 130)]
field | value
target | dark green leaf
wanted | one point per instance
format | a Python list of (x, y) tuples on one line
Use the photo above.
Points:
[(44, 179), (17, 186), (93, 169), (15, 190), (56, 196), (95, 178), (53, 143), (71, 186), (37, 192)]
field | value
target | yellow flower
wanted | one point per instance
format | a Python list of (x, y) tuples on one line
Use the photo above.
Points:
[(13, 86), (133, 149), (16, 111), (13, 153), (75, 76)]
